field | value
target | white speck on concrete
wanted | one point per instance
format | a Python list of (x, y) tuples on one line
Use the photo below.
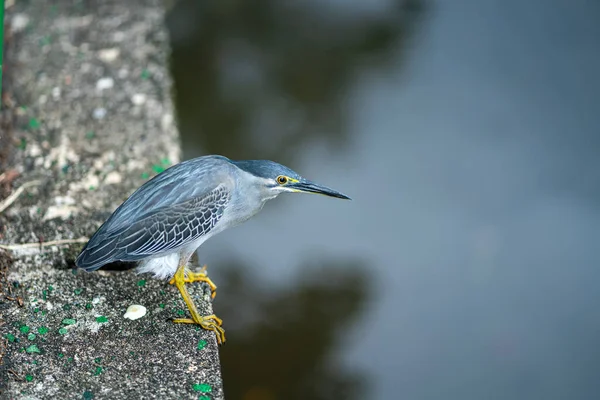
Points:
[(62, 212), (134, 312), (99, 113), (94, 326), (56, 93), (138, 99), (192, 368), (105, 83), (132, 165), (166, 121), (19, 22), (64, 200), (34, 150), (33, 211), (113, 178), (64, 208), (90, 182), (109, 55), (63, 154)]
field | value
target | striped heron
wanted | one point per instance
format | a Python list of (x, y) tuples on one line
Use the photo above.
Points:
[(165, 221)]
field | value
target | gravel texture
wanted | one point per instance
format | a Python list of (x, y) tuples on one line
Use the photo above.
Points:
[(92, 119)]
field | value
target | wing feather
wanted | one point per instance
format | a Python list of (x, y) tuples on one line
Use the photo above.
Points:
[(193, 219), (164, 214)]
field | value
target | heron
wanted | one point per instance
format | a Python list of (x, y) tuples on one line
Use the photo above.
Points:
[(162, 224)]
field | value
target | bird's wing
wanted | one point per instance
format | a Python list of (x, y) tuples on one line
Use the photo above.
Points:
[(174, 208), (164, 229), (185, 181)]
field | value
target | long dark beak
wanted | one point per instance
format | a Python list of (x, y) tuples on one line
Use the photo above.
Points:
[(310, 187)]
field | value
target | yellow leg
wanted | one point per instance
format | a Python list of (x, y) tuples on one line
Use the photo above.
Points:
[(209, 322), (200, 276)]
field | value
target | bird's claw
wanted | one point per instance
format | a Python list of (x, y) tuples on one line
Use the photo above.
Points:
[(209, 322)]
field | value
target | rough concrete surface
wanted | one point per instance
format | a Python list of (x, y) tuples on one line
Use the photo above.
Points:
[(92, 119)]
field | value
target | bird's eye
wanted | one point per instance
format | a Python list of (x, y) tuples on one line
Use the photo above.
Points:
[(282, 180)]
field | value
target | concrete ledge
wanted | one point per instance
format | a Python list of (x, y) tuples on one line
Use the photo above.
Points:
[(92, 119)]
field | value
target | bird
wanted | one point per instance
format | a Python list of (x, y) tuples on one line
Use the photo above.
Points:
[(164, 222)]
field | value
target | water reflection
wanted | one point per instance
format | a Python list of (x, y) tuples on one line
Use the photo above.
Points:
[(283, 341), (261, 78), (266, 79)]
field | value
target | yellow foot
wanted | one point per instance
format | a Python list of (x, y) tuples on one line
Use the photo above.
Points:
[(199, 276), (209, 322)]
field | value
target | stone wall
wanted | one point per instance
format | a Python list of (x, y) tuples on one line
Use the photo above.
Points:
[(91, 119)]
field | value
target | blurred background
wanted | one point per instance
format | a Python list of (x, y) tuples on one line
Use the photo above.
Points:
[(467, 133)]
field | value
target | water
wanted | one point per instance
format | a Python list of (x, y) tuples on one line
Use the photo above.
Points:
[(466, 133)]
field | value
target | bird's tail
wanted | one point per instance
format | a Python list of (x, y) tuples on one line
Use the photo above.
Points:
[(95, 254)]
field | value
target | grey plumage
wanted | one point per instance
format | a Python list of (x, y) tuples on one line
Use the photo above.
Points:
[(163, 222), (184, 205), (163, 214)]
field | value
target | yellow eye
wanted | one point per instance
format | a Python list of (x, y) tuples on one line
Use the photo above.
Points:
[(282, 180)]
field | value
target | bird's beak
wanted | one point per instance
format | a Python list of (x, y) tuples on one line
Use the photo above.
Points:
[(310, 187)]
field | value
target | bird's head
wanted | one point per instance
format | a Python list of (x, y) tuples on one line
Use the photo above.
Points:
[(276, 179)]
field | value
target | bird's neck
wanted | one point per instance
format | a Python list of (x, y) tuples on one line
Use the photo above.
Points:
[(253, 194)]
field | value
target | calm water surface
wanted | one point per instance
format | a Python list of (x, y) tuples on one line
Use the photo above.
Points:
[(467, 134)]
